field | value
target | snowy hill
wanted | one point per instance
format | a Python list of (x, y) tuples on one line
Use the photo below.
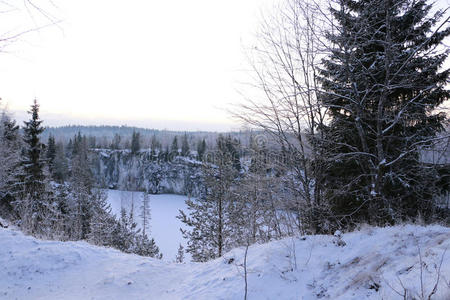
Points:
[(311, 267)]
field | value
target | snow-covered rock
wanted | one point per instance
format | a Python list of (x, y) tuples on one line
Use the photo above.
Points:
[(374, 264)]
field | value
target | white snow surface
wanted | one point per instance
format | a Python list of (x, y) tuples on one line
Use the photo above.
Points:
[(308, 267), (164, 226)]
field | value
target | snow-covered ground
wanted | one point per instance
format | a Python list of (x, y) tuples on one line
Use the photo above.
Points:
[(373, 263), (164, 226)]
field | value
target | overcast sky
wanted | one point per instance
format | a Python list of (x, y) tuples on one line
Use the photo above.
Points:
[(164, 64)]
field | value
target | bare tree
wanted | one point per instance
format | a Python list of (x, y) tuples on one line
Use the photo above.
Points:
[(20, 18), (145, 213), (285, 104)]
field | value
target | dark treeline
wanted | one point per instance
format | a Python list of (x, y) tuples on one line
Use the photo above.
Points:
[(120, 137)]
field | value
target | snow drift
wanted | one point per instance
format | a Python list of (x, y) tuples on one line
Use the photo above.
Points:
[(373, 263)]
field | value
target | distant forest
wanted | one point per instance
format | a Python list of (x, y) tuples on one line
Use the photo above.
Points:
[(121, 136)]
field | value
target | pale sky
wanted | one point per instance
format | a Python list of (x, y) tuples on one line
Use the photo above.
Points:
[(165, 64), (161, 64)]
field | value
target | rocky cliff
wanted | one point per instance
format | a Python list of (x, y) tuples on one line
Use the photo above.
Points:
[(120, 169)]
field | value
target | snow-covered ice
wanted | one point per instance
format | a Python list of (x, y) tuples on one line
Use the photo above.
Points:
[(164, 226), (373, 262)]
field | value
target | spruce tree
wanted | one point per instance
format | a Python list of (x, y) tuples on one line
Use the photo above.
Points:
[(9, 159), (147, 247), (115, 143), (185, 146), (10, 130), (382, 84), (180, 254), (51, 149), (210, 216), (51, 153), (32, 206), (102, 222), (174, 147), (60, 164), (155, 144), (135, 142), (32, 160), (81, 184), (201, 149)]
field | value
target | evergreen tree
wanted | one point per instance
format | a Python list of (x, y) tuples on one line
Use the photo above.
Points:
[(125, 233), (115, 143), (51, 149), (229, 147), (382, 85), (185, 146), (69, 149), (9, 160), (32, 160), (180, 254), (102, 223), (60, 168), (201, 149), (51, 153), (92, 142), (155, 144), (211, 214), (61, 225), (31, 204), (147, 247), (166, 154), (174, 147), (81, 183), (135, 142), (10, 130)]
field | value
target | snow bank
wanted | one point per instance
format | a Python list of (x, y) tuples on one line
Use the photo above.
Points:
[(370, 265)]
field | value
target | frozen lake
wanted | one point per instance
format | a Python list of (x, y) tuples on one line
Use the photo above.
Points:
[(164, 226)]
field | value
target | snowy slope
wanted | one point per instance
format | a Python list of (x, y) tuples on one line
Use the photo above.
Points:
[(301, 268), (164, 226)]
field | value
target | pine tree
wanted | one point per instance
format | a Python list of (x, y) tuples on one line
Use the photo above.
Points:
[(60, 169), (210, 215), (32, 204), (147, 247), (102, 222), (51, 153), (51, 149), (9, 160), (166, 154), (32, 161), (81, 184), (10, 130), (135, 142), (185, 146), (125, 233), (61, 225), (155, 144), (201, 149), (180, 254), (230, 147), (69, 148), (115, 143), (382, 85), (174, 147)]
